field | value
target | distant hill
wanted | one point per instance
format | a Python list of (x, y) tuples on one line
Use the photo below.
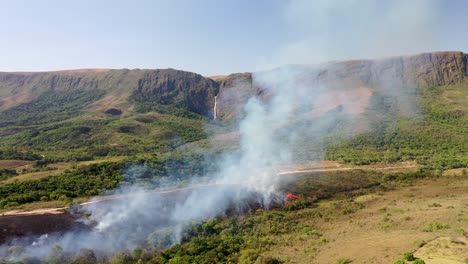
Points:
[(126, 89), (87, 113), (122, 89)]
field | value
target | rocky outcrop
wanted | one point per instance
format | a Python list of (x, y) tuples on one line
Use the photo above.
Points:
[(177, 88), (234, 91)]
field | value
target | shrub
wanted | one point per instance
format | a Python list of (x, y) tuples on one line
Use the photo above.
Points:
[(386, 218), (56, 256), (120, 258), (85, 256), (15, 251), (459, 230), (435, 226), (419, 261), (400, 262), (248, 256), (7, 173), (408, 256), (271, 260)]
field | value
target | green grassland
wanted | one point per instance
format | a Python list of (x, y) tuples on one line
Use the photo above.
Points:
[(437, 137), (155, 143), (55, 127)]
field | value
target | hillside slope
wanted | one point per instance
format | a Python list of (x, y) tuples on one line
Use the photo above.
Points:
[(380, 75), (392, 109), (83, 114), (80, 114), (166, 86)]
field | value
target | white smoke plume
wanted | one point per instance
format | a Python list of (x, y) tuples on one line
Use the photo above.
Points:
[(326, 30), (298, 106), (246, 180)]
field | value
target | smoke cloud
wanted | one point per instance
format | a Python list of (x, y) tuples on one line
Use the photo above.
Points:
[(298, 108), (324, 30), (246, 179)]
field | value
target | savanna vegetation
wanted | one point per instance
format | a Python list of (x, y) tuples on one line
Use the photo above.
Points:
[(55, 127), (7, 173), (174, 169), (82, 182), (250, 238), (49, 107), (436, 137)]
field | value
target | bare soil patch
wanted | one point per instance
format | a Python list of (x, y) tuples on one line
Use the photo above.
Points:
[(13, 164)]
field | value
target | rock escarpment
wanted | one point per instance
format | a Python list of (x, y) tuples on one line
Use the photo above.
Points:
[(193, 92), (395, 76)]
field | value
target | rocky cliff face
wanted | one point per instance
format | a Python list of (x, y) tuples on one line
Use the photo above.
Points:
[(178, 88), (235, 90), (389, 76), (196, 93)]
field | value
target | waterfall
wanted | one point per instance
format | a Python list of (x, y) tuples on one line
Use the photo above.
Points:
[(215, 108)]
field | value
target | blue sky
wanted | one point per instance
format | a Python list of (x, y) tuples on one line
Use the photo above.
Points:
[(220, 36)]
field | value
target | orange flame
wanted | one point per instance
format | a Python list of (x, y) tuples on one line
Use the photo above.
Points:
[(291, 197)]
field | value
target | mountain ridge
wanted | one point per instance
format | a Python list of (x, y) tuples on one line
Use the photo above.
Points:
[(381, 75), (195, 92)]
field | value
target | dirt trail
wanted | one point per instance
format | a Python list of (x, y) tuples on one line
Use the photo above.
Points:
[(328, 165), (56, 210), (343, 169), (98, 199)]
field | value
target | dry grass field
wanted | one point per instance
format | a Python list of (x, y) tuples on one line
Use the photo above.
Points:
[(380, 227), (13, 164)]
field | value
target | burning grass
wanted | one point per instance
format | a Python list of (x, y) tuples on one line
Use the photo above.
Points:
[(254, 233)]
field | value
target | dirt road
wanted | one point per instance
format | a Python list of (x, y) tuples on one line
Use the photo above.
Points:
[(322, 166)]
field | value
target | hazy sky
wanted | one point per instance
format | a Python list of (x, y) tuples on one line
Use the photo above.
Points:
[(220, 36)]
